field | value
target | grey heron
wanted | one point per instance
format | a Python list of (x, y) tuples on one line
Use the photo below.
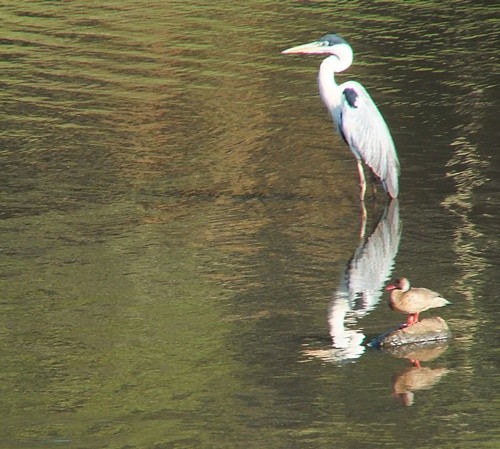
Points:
[(354, 113)]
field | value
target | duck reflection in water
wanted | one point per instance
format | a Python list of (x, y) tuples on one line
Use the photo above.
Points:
[(361, 286), (417, 377)]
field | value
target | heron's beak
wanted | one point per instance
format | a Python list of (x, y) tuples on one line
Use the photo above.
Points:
[(313, 48)]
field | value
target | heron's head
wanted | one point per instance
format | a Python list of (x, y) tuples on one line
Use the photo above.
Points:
[(331, 44)]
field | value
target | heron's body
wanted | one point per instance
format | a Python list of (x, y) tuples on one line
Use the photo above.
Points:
[(412, 301), (354, 113)]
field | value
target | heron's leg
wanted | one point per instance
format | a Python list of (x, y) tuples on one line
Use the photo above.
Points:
[(364, 215), (374, 188), (362, 182), (373, 182)]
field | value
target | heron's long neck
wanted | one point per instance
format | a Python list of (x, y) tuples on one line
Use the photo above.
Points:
[(328, 88)]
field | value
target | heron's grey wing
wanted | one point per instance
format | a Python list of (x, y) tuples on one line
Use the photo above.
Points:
[(365, 131)]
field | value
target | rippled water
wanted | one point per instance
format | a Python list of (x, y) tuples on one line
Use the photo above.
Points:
[(181, 257)]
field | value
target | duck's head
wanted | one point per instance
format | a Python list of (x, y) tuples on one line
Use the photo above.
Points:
[(402, 284)]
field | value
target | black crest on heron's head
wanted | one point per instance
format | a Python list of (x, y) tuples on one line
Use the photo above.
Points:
[(332, 39)]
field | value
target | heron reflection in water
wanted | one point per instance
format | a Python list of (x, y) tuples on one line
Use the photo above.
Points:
[(354, 113), (362, 285)]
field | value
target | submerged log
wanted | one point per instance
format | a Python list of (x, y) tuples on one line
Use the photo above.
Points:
[(427, 330)]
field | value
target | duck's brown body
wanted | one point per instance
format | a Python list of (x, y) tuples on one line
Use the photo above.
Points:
[(412, 301)]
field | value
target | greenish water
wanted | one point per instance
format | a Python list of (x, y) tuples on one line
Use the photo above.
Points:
[(179, 220)]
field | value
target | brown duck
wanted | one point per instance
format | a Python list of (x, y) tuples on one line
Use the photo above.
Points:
[(412, 301)]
